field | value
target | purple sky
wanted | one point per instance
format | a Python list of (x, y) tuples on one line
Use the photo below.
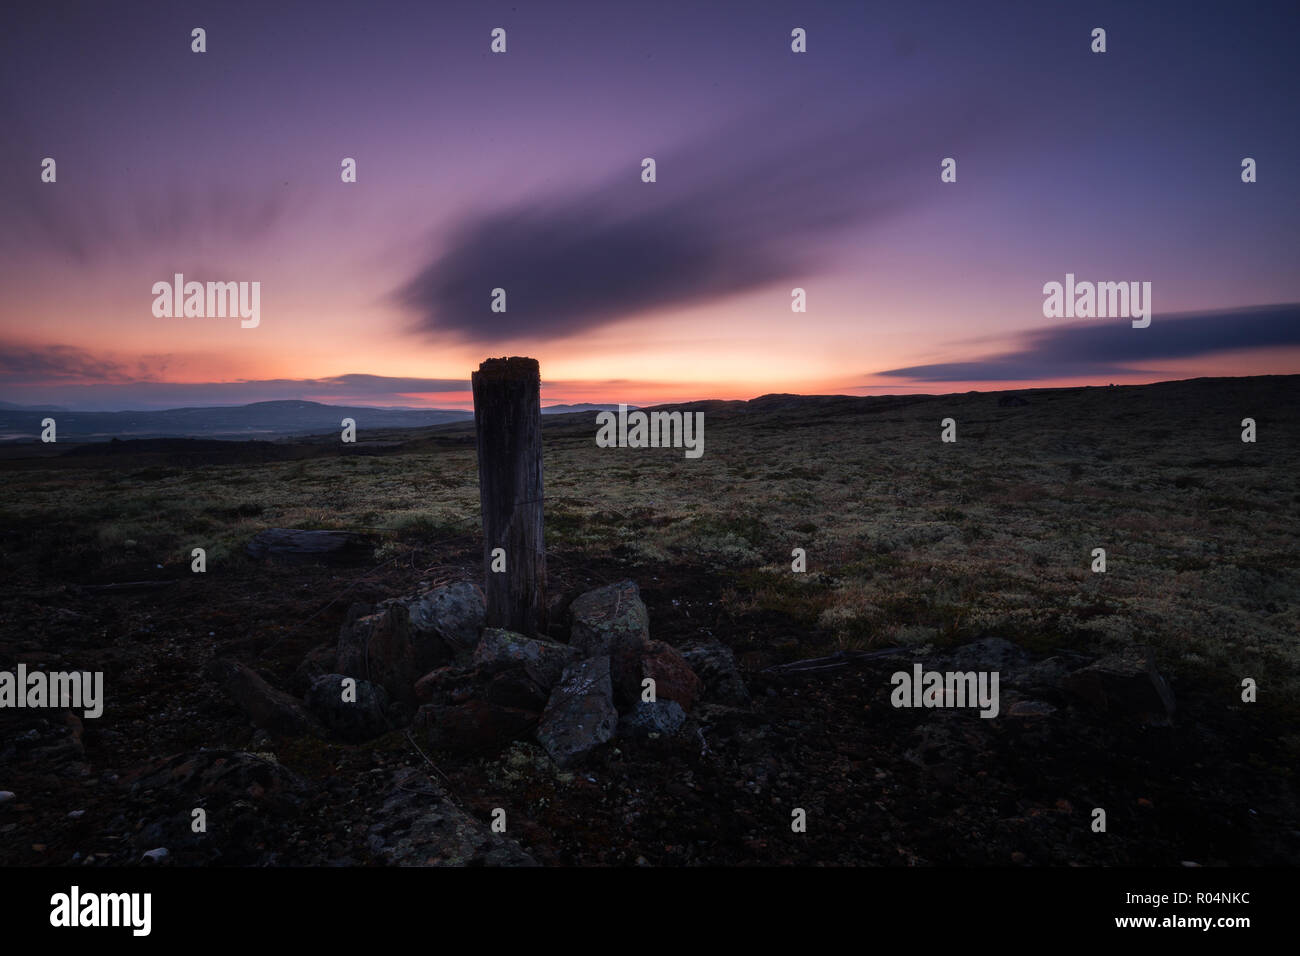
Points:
[(522, 170)]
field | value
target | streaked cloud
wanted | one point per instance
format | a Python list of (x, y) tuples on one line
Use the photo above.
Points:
[(758, 202), (1113, 347)]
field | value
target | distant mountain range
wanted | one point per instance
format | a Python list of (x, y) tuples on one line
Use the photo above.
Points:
[(10, 406), (276, 419)]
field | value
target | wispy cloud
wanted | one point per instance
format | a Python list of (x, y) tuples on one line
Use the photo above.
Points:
[(73, 377), (92, 215), (60, 363), (1113, 347)]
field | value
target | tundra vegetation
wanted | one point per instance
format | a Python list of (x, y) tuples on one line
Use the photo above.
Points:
[(910, 542)]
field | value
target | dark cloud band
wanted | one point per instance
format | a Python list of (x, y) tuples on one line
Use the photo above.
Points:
[(747, 207), (1108, 347)]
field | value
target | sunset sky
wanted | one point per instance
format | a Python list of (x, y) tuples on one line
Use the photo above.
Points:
[(522, 170)]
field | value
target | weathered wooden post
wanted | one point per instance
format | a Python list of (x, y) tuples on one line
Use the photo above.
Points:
[(508, 423)]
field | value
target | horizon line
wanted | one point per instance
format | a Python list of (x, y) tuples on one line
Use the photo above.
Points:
[(55, 406)]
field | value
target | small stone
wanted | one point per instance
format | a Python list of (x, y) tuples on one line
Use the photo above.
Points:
[(986, 654), (444, 622), (421, 826), (1031, 708), (580, 714), (631, 664), (156, 855), (6, 796), (446, 685), (607, 618), (543, 661), (355, 720), (266, 707), (317, 662), (662, 716), (715, 664), (1124, 685), (377, 647), (76, 814)]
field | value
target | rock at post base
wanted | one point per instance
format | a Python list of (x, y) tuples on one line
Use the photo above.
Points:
[(674, 680), (543, 661), (377, 648), (445, 622), (608, 618), (580, 714)]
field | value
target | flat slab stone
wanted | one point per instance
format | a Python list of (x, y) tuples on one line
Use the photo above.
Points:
[(418, 825), (297, 546)]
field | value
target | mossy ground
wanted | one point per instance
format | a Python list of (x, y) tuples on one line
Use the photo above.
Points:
[(909, 541)]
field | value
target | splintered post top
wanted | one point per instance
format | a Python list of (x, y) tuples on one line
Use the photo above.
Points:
[(513, 369)]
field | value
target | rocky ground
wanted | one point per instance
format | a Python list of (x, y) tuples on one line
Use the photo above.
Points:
[(453, 723)]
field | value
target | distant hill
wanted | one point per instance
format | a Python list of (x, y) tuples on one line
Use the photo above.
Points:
[(284, 419), (10, 406), (274, 419), (258, 420), (581, 407)]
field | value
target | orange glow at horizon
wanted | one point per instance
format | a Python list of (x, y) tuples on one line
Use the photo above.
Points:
[(737, 349)]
